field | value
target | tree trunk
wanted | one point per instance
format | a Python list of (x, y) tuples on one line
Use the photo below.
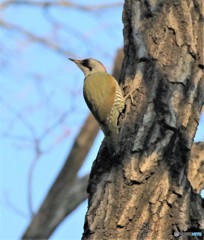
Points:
[(144, 193), (196, 167)]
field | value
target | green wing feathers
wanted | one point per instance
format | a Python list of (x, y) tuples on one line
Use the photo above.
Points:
[(105, 100), (99, 92)]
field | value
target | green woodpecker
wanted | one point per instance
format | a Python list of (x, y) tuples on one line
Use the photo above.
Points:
[(103, 97)]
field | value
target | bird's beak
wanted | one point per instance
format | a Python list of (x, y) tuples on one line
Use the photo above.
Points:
[(74, 60)]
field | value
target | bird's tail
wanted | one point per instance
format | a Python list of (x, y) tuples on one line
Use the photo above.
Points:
[(112, 122)]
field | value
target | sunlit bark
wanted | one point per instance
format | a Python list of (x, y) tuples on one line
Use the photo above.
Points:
[(144, 193)]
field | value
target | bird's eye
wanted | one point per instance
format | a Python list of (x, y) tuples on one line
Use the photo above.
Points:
[(85, 63)]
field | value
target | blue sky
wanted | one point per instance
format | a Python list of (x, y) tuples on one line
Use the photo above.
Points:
[(39, 85)]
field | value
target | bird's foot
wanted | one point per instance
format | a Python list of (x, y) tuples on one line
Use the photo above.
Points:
[(130, 95)]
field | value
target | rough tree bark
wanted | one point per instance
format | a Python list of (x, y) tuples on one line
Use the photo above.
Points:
[(196, 167), (144, 193)]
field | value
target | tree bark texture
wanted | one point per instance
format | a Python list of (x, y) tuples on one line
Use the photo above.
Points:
[(196, 167), (144, 192)]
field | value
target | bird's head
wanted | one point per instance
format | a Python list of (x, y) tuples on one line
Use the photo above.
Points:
[(89, 66)]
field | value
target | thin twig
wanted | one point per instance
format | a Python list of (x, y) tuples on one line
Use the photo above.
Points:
[(52, 127), (19, 116), (43, 41), (63, 4), (30, 179), (6, 200)]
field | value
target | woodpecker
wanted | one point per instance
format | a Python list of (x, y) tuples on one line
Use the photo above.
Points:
[(104, 98)]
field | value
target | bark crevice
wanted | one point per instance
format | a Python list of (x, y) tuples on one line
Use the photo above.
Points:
[(148, 195)]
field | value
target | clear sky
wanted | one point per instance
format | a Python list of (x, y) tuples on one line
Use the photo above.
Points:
[(38, 86)]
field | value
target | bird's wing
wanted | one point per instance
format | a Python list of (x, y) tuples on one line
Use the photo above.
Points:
[(99, 93)]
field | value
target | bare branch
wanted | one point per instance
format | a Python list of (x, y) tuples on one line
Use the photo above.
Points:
[(49, 217), (43, 41), (19, 116), (59, 192), (51, 128), (30, 179), (67, 4), (80, 149), (17, 137), (6, 200)]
